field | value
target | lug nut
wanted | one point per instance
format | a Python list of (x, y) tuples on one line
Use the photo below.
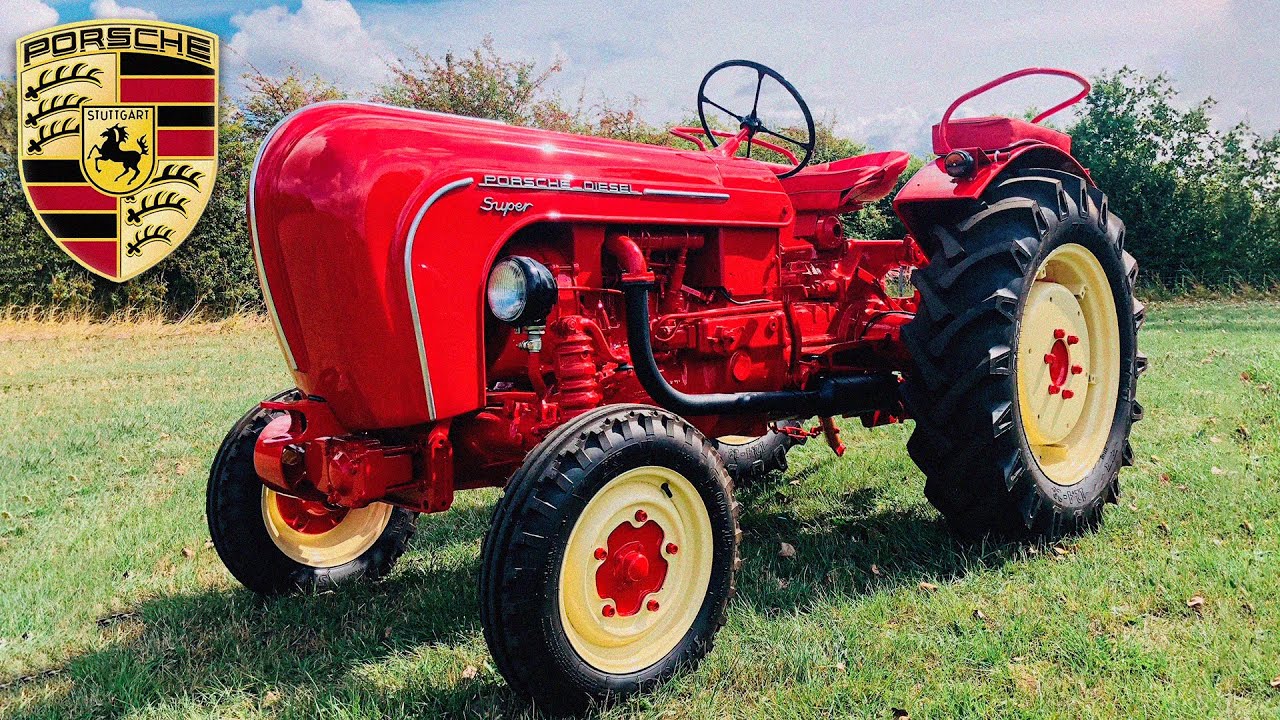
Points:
[(672, 549), (1076, 369), (1072, 339), (652, 605), (1067, 394), (608, 611), (1059, 334), (1053, 389), (641, 516), (1048, 359), (601, 553)]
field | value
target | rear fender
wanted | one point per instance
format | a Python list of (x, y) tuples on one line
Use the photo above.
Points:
[(931, 196)]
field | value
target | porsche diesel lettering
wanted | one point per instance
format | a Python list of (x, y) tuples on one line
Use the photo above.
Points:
[(566, 184)]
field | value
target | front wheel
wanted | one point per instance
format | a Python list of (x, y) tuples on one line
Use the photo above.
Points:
[(1026, 360), (611, 558), (274, 543)]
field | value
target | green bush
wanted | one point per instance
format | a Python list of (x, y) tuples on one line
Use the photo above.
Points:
[(1201, 206)]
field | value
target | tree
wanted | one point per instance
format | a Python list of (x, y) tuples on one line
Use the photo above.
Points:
[(271, 98), (477, 84), (1195, 200)]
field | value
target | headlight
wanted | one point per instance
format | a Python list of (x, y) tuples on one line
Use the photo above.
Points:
[(521, 291), (958, 164)]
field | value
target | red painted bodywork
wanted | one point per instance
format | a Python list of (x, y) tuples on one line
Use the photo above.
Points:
[(375, 229)]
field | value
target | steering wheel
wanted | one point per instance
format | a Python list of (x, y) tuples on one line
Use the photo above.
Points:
[(749, 124)]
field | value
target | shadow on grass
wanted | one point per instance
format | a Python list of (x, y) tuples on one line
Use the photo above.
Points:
[(299, 655), (395, 647), (852, 546)]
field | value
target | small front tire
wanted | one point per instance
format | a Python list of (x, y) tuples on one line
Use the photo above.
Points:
[(273, 543)]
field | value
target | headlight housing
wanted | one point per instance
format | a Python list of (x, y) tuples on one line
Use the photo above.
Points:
[(521, 291)]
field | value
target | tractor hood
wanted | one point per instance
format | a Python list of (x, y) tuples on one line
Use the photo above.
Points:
[(374, 229)]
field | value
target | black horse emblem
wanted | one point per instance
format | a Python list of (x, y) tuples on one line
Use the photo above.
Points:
[(110, 150)]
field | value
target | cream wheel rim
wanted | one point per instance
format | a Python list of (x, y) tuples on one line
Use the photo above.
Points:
[(306, 535), (647, 525), (1068, 364)]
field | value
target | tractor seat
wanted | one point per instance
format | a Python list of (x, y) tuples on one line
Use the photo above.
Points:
[(844, 185), (995, 133)]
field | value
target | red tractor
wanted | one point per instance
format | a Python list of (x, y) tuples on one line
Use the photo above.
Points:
[(616, 333)]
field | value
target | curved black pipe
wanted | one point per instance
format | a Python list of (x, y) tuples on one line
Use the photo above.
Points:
[(853, 395)]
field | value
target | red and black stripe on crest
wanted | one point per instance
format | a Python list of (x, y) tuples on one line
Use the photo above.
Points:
[(97, 218), (182, 130)]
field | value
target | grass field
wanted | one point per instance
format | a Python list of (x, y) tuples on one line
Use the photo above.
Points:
[(112, 604)]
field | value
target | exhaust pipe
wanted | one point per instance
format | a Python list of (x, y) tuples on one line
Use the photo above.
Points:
[(853, 395)]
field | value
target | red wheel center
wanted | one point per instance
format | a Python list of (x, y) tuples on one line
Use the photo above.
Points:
[(633, 566), (308, 516), (1059, 360)]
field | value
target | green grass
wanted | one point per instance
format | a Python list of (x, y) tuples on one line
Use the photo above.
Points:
[(110, 429)]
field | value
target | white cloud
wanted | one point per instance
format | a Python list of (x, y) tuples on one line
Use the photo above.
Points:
[(115, 11), (326, 37), (20, 17)]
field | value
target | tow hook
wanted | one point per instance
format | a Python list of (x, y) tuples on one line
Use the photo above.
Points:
[(825, 427), (832, 435)]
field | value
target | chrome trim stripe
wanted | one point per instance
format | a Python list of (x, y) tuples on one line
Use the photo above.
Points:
[(408, 279), (257, 246), (686, 194), (253, 217)]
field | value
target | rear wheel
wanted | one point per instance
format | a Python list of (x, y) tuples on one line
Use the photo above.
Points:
[(1027, 362), (274, 543), (610, 561)]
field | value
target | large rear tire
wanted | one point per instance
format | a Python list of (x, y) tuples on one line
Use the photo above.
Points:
[(273, 543), (611, 558), (1026, 358)]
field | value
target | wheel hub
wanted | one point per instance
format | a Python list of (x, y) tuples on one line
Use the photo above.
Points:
[(636, 569), (308, 516), (633, 566), (1053, 329), (315, 534)]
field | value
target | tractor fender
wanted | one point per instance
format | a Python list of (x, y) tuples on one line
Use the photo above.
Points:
[(931, 194)]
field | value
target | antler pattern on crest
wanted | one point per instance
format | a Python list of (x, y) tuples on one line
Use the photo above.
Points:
[(62, 75), (152, 234), (52, 131), (53, 106), (156, 203), (184, 174)]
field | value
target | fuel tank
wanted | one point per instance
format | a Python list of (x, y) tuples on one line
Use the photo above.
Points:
[(374, 229)]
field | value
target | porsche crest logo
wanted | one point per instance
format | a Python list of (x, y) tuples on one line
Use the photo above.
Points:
[(118, 138)]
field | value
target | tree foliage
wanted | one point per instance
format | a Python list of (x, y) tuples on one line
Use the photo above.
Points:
[(477, 84), (1196, 200)]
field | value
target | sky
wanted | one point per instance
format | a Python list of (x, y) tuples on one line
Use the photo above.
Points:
[(882, 70)]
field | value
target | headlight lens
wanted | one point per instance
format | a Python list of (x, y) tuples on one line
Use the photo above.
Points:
[(521, 291), (508, 291)]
